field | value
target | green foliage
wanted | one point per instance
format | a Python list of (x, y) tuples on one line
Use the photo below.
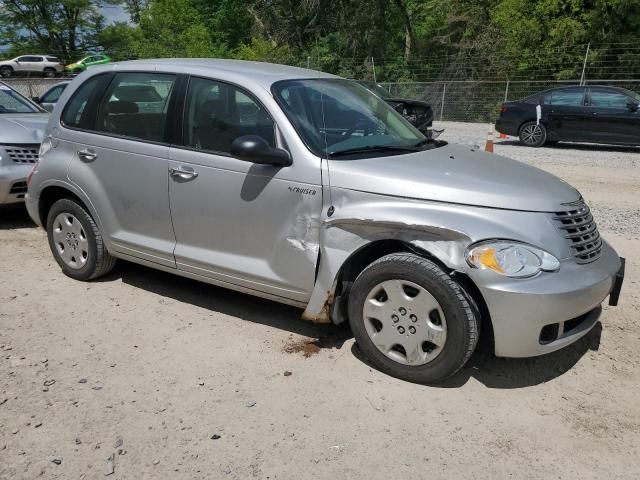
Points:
[(405, 39), (60, 27), (174, 28)]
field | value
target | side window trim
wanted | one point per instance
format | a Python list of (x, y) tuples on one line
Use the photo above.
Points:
[(182, 121)]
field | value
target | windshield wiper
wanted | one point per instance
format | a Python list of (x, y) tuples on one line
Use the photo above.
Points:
[(373, 148)]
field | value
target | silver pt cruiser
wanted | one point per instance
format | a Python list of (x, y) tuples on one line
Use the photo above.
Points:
[(308, 189)]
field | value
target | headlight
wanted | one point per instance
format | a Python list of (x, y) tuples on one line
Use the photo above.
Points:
[(511, 259)]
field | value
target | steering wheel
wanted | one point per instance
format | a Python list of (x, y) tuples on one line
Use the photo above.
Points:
[(366, 128)]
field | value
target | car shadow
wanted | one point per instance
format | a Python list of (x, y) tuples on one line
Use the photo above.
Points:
[(484, 366), (576, 146), (508, 373), (229, 302), (15, 216)]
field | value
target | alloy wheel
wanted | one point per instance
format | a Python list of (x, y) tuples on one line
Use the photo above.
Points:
[(532, 134)]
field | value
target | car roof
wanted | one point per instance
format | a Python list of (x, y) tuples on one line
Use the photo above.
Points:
[(265, 74)]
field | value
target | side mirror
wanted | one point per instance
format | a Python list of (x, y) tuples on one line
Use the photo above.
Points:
[(36, 99), (255, 149), (632, 106)]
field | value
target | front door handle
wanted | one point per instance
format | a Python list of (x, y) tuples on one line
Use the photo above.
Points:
[(87, 155), (185, 173)]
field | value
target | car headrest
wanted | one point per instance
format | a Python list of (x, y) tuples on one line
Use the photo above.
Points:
[(122, 106)]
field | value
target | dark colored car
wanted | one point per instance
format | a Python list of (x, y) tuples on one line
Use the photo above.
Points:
[(594, 114), (419, 114)]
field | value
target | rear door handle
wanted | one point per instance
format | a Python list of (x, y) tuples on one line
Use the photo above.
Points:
[(185, 173), (87, 155)]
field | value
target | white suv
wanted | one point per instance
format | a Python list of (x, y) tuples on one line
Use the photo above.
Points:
[(47, 65)]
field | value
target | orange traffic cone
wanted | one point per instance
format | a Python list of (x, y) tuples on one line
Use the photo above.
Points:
[(502, 136), (488, 147)]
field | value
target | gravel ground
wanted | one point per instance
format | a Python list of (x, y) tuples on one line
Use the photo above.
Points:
[(144, 375)]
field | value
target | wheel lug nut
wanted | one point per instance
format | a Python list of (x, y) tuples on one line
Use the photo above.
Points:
[(395, 318), (412, 329), (402, 311), (413, 318), (400, 329)]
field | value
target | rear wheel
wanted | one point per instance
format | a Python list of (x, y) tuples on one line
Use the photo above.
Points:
[(49, 72), (6, 71), (76, 242), (411, 320), (533, 134)]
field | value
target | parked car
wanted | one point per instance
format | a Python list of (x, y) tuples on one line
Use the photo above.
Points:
[(46, 65), (248, 178), (419, 114), (594, 114), (49, 98), (22, 125), (87, 62)]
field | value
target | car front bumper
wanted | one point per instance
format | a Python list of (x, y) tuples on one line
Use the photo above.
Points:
[(13, 182), (543, 314)]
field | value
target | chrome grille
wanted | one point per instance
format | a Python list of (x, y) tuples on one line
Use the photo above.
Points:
[(22, 153), (580, 230)]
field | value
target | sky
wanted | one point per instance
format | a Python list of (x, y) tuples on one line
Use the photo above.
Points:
[(115, 13)]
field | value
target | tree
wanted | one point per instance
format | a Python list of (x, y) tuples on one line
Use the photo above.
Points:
[(60, 27)]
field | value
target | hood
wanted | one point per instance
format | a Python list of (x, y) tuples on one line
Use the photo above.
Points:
[(456, 174), (16, 128)]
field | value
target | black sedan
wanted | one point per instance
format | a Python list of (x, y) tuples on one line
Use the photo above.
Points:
[(593, 114), (419, 114)]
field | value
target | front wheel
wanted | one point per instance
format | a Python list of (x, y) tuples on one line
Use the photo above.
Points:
[(411, 320), (533, 134), (76, 242)]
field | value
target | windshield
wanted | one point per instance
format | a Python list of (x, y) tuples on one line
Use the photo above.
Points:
[(336, 116), (12, 102)]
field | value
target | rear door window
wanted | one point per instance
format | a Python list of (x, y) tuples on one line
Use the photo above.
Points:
[(135, 105), (608, 99), (573, 97)]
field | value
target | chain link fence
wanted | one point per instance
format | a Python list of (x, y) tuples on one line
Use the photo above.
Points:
[(462, 101), (33, 87)]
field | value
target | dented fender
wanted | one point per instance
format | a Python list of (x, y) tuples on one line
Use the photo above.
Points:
[(441, 230)]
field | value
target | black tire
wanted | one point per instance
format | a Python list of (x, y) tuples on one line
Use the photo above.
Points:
[(533, 134), (99, 261), (461, 319), (49, 72), (6, 71)]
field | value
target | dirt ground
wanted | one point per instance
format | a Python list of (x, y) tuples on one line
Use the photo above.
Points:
[(151, 376)]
